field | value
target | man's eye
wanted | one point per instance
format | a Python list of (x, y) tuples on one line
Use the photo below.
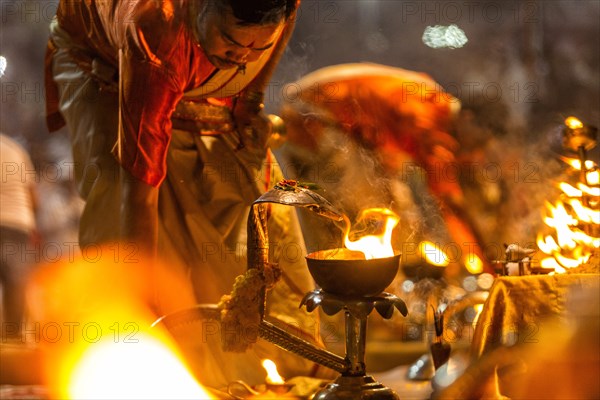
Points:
[(229, 41)]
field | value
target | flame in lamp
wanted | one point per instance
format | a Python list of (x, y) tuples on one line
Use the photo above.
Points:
[(111, 350), (374, 246), (273, 376), (433, 254)]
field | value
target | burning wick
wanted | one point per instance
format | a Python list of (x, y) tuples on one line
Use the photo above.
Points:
[(275, 383), (273, 376)]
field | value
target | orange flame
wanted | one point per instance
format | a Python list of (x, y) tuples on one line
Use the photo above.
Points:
[(110, 349), (433, 254), (572, 243), (576, 163), (473, 263), (374, 246), (143, 370), (272, 373), (573, 123)]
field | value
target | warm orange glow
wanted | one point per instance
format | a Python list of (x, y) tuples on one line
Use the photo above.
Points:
[(377, 245), (102, 344), (473, 264), (573, 123), (147, 369), (272, 373), (433, 254)]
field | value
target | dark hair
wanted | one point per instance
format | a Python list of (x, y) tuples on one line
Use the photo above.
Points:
[(258, 12)]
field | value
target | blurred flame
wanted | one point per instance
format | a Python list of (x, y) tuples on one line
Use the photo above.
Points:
[(272, 373), (576, 163), (148, 369), (473, 263), (573, 123), (433, 254), (574, 220), (108, 347), (595, 192), (374, 246), (593, 177), (569, 190)]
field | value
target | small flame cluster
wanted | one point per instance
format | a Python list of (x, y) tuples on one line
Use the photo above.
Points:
[(575, 217)]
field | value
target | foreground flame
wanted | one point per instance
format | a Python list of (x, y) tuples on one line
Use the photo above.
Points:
[(374, 246), (99, 341), (433, 254), (148, 369), (272, 374)]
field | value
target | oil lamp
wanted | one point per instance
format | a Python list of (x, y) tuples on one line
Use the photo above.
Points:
[(579, 138), (575, 218), (355, 286), (348, 281)]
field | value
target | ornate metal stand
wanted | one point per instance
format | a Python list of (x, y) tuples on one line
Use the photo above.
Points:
[(354, 383)]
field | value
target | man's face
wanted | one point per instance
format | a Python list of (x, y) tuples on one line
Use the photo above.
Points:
[(228, 44)]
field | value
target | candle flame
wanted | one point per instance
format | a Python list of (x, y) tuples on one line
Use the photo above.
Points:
[(573, 123), (377, 245), (272, 374)]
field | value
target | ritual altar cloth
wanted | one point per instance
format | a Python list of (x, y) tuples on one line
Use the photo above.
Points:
[(518, 305)]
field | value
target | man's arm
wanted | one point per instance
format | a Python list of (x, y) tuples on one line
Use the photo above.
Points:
[(139, 214)]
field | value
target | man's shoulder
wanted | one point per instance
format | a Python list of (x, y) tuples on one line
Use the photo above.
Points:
[(160, 22)]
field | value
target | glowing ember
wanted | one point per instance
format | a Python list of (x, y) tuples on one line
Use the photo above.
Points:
[(272, 374), (433, 254), (374, 246)]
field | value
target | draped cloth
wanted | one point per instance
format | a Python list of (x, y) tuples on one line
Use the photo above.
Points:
[(517, 306), (536, 338)]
